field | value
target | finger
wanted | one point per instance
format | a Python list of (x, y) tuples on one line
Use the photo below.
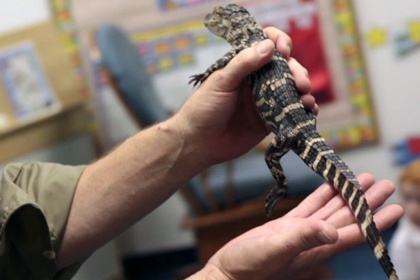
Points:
[(301, 76), (243, 64), (312, 203), (282, 41), (308, 101), (375, 196), (284, 45), (324, 200), (312, 234), (349, 237), (322, 196), (316, 109), (334, 205)]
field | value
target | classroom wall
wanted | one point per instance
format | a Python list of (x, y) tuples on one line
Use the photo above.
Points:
[(395, 87)]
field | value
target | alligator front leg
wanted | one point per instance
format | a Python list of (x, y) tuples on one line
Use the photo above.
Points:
[(219, 64)]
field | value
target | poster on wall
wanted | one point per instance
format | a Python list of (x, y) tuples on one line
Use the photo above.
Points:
[(26, 85)]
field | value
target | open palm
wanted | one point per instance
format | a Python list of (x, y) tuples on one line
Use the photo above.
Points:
[(318, 228)]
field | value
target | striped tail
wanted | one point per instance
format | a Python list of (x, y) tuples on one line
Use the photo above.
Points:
[(322, 159)]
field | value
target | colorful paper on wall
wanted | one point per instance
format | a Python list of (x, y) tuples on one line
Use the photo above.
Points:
[(61, 10), (406, 151), (377, 37), (404, 40), (171, 47)]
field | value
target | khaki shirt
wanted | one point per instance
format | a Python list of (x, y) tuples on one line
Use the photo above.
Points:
[(35, 200)]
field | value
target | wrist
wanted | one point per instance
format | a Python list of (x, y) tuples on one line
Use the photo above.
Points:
[(209, 272), (189, 157)]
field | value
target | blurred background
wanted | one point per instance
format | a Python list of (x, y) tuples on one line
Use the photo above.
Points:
[(77, 79)]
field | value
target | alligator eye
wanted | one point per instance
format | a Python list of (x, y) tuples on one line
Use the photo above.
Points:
[(214, 28), (210, 21), (215, 24)]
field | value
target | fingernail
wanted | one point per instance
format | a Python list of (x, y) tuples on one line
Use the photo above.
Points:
[(290, 47), (262, 47)]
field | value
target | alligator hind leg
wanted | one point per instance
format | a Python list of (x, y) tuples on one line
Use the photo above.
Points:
[(275, 151)]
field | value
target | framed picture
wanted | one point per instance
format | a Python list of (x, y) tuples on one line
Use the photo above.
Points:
[(26, 85)]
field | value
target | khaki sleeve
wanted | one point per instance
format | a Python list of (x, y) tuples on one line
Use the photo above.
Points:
[(35, 200)]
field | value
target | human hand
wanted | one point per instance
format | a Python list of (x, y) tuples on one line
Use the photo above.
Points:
[(318, 228), (221, 115)]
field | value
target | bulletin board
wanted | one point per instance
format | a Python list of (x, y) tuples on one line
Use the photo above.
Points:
[(173, 42), (40, 99)]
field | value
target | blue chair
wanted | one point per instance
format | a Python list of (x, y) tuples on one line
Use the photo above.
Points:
[(224, 185), (129, 76)]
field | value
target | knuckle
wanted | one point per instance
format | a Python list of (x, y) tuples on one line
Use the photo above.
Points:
[(221, 77)]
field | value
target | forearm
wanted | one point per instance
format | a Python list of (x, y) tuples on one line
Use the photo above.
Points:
[(124, 186)]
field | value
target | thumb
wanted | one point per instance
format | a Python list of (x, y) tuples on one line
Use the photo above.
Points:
[(310, 234), (305, 234), (301, 235), (243, 64)]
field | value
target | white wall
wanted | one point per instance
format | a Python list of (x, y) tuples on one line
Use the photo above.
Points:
[(19, 13)]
